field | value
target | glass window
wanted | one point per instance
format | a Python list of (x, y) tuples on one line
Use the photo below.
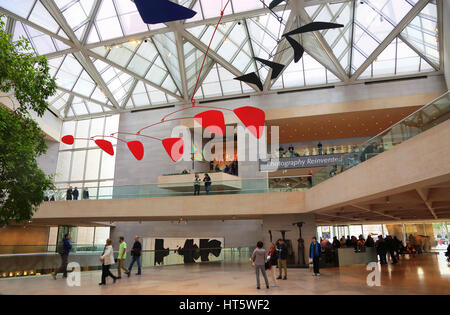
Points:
[(78, 161)]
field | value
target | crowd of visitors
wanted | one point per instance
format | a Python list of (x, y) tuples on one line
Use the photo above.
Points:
[(265, 261), (73, 194), (385, 246), (107, 258)]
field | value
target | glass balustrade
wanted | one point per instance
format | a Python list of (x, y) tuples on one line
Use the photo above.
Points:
[(244, 186), (423, 119), (36, 260)]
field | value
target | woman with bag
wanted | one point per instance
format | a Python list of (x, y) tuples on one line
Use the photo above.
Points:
[(107, 259), (271, 262), (259, 259)]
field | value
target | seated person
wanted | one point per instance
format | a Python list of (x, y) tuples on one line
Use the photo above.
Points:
[(410, 249), (291, 151), (227, 169), (185, 172)]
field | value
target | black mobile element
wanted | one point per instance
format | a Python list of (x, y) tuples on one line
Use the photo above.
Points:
[(276, 67), (251, 78), (314, 26), (298, 49), (274, 3)]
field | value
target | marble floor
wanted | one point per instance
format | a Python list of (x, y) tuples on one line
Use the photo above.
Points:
[(425, 274)]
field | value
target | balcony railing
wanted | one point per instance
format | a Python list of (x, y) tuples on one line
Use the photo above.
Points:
[(42, 259), (241, 186), (423, 119)]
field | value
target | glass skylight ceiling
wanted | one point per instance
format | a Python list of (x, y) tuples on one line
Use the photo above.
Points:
[(106, 60)]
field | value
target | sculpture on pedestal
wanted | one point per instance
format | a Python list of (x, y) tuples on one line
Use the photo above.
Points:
[(300, 245)]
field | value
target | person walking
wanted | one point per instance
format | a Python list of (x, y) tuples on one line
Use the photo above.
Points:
[(207, 181), (259, 258), (75, 194), (64, 252), (391, 248), (197, 181), (121, 258), (282, 258), (336, 243), (69, 193), (107, 259), (309, 178), (136, 255), (271, 263), (381, 250), (314, 253)]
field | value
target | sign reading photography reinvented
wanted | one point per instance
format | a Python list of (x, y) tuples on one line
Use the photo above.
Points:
[(299, 162)]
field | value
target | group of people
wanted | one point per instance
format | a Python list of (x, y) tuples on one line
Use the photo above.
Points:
[(73, 194), (388, 245), (265, 261), (197, 181), (107, 258)]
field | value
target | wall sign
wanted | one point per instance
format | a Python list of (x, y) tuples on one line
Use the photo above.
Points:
[(299, 162)]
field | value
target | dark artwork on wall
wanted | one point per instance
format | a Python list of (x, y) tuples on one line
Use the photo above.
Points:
[(160, 251), (190, 251)]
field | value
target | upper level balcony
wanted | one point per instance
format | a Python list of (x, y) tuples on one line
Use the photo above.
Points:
[(411, 158)]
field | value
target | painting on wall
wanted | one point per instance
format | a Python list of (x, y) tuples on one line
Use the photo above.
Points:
[(184, 250)]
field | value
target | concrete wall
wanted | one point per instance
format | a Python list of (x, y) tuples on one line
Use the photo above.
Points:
[(49, 123), (237, 233), (156, 162), (341, 99), (284, 222), (19, 235), (48, 161), (446, 40)]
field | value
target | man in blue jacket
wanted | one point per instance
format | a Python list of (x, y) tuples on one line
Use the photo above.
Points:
[(65, 250), (314, 254)]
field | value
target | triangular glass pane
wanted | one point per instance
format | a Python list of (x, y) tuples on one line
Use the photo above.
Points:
[(85, 85), (423, 33), (68, 72), (338, 39), (40, 16), (211, 85), (397, 59), (307, 72), (167, 48), (193, 58), (22, 10), (145, 95), (42, 43), (374, 20), (79, 107)]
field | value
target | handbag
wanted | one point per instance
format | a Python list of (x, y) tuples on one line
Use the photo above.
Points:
[(267, 265)]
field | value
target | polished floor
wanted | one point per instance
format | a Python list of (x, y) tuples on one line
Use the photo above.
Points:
[(425, 274)]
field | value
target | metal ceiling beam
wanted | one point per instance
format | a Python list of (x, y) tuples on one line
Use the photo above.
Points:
[(431, 63), (441, 31), (68, 104), (10, 24), (374, 211), (92, 16), (278, 53), (394, 33), (215, 56), (182, 66), (81, 56), (86, 98), (342, 75), (37, 27), (130, 93), (424, 195), (123, 69)]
